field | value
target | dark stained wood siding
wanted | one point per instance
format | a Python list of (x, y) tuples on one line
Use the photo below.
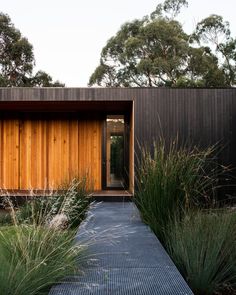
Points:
[(198, 116)]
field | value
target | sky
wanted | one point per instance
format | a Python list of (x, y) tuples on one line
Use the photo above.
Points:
[(68, 36)]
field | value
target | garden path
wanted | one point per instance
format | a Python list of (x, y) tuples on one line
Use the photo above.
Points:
[(124, 257)]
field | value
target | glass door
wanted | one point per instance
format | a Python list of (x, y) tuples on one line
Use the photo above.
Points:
[(114, 154)]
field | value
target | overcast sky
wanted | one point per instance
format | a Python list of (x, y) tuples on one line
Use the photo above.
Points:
[(68, 36)]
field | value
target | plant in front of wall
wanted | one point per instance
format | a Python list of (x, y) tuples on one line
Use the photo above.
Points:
[(172, 180), (175, 196), (36, 249), (75, 200), (69, 201)]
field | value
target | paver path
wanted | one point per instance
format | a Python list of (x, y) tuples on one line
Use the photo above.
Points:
[(124, 257)]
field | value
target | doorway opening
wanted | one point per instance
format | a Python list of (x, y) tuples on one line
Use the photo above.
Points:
[(115, 155)]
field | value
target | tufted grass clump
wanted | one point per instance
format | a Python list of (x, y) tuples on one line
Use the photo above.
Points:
[(69, 201), (176, 197), (172, 180), (37, 247), (33, 258), (203, 247)]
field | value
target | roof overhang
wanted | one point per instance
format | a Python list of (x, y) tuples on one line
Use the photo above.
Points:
[(66, 106)]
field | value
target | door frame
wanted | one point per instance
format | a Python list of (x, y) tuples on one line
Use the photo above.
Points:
[(126, 151)]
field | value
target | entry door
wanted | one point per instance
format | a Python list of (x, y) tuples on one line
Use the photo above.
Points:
[(115, 152)]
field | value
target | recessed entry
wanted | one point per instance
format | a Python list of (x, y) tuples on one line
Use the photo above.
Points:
[(115, 149)]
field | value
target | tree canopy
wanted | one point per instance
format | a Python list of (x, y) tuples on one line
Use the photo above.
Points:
[(17, 59), (155, 51)]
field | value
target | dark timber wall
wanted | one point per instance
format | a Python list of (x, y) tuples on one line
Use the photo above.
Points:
[(199, 116)]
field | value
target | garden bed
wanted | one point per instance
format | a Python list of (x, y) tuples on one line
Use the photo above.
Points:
[(176, 197), (37, 246)]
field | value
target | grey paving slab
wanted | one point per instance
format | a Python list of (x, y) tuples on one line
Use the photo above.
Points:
[(123, 256)]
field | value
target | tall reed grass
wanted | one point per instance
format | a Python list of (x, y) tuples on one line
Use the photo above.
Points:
[(171, 181), (176, 198)]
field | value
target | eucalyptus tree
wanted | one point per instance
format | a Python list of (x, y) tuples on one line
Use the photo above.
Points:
[(156, 51), (17, 59)]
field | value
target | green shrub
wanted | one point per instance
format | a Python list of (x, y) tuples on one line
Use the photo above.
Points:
[(5, 218), (33, 258), (171, 181), (176, 198), (202, 246), (74, 201), (34, 253), (70, 200)]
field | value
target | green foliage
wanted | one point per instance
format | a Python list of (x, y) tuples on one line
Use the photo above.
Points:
[(37, 250), (33, 258), (5, 218), (42, 79), (171, 7), (212, 28), (202, 246), (214, 31), (173, 180), (70, 200), (155, 51), (117, 155), (16, 54), (176, 198), (17, 59)]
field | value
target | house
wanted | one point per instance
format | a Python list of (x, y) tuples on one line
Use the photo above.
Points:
[(50, 135)]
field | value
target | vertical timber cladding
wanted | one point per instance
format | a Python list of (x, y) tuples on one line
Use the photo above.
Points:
[(74, 150), (90, 151), (58, 146), (43, 153), (9, 153), (33, 152)]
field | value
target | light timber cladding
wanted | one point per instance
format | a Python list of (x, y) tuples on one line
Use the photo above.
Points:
[(43, 153), (58, 152), (33, 153), (9, 153), (90, 151)]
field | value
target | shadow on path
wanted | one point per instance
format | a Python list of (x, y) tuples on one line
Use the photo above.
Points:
[(124, 257)]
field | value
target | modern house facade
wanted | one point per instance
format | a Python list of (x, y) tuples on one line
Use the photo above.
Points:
[(50, 135)]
